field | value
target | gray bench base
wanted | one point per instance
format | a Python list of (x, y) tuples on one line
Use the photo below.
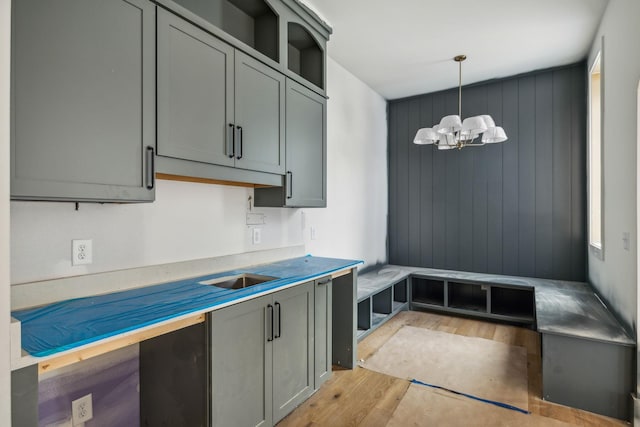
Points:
[(589, 375), (587, 356)]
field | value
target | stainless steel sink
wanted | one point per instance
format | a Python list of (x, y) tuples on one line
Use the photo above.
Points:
[(238, 281)]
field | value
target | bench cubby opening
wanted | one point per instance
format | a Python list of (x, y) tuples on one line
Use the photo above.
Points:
[(428, 291), (467, 296)]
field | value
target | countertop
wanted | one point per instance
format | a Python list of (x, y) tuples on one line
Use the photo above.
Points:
[(565, 308), (70, 324)]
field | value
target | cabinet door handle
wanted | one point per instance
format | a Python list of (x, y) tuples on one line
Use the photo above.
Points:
[(270, 323), (324, 282), (239, 156), (279, 322), (151, 167), (231, 142), (289, 184)]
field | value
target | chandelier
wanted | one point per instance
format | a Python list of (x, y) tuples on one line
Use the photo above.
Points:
[(452, 132)]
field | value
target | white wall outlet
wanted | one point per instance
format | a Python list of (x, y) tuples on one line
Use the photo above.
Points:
[(82, 410), (314, 233), (257, 236), (81, 252)]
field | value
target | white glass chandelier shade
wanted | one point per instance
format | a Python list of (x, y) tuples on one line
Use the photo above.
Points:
[(425, 136), (453, 132), (493, 135), (473, 126), (449, 125)]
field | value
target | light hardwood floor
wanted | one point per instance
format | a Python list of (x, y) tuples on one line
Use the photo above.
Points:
[(360, 397)]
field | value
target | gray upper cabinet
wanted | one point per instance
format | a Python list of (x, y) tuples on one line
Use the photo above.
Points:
[(251, 25), (259, 116), (306, 148), (83, 100), (195, 93), (305, 178), (305, 56), (216, 105)]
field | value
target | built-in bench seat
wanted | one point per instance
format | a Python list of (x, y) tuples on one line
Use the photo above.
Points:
[(587, 355)]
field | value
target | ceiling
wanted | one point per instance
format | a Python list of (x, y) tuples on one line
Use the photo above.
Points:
[(406, 47)]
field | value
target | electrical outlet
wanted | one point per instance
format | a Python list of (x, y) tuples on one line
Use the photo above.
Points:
[(314, 233), (81, 252), (82, 410), (626, 239), (257, 236)]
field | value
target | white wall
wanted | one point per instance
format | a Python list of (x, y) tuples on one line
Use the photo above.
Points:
[(354, 225), (192, 221), (5, 368), (615, 277)]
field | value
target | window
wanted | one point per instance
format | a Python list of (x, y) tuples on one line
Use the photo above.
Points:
[(595, 157)]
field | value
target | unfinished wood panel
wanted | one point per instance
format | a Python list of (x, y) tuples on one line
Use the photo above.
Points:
[(515, 208), (116, 343)]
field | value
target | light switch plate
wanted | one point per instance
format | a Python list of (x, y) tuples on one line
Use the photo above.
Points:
[(257, 236)]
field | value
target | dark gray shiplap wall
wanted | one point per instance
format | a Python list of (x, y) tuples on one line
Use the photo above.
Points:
[(516, 208)]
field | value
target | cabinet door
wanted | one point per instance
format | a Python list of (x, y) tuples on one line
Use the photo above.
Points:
[(195, 93), (323, 329), (241, 360), (83, 100), (306, 147), (259, 113), (292, 348)]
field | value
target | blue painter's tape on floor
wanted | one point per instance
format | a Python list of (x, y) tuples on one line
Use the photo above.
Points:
[(470, 396)]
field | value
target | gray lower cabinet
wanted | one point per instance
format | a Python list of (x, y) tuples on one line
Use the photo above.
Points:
[(262, 358), (305, 179), (174, 378), (322, 330), (216, 105), (83, 100)]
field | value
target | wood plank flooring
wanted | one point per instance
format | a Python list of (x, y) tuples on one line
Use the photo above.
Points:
[(360, 397)]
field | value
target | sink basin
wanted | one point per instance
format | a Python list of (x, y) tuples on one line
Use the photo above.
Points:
[(238, 281)]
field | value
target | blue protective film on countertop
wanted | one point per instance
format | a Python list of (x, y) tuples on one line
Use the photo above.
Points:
[(72, 323)]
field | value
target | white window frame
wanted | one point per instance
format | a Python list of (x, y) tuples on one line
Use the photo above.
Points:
[(595, 167)]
